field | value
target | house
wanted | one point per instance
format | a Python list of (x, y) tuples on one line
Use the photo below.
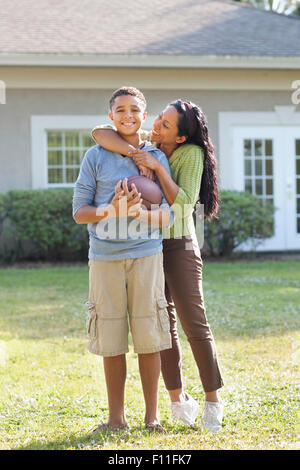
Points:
[(61, 60)]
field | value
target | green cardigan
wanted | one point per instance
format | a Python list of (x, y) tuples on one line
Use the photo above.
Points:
[(186, 165)]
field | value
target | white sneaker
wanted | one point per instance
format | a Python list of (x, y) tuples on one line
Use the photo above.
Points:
[(185, 411), (212, 416)]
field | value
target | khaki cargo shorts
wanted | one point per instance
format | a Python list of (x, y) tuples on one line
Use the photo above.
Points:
[(127, 290)]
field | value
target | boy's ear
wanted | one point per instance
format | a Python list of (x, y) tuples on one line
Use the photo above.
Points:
[(181, 139), (144, 115), (111, 115)]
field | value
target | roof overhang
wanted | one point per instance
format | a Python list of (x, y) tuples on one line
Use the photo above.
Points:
[(150, 61)]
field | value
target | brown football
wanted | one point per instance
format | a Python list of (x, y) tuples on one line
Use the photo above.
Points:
[(150, 191)]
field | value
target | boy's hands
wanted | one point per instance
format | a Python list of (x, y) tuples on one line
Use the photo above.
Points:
[(125, 202)]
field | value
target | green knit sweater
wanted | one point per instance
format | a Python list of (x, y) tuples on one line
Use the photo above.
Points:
[(186, 165)]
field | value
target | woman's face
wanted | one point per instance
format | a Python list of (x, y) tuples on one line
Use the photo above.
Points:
[(165, 129)]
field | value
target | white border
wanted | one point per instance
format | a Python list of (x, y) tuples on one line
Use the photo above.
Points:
[(39, 125)]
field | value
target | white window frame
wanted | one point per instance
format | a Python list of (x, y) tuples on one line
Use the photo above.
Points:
[(229, 170), (39, 127)]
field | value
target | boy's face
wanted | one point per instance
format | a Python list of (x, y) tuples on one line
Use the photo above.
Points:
[(128, 114)]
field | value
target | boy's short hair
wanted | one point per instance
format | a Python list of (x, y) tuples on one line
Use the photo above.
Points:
[(127, 90)]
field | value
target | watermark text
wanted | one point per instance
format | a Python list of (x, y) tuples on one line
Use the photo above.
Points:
[(2, 92), (174, 224), (296, 94)]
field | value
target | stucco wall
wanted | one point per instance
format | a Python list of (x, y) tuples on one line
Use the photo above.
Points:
[(21, 104)]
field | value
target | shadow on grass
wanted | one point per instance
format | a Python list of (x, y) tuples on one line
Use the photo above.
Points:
[(86, 441)]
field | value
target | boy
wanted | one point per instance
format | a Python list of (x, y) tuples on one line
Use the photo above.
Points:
[(126, 269)]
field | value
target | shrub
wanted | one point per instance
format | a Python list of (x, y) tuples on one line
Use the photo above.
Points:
[(2, 211), (38, 224), (242, 216)]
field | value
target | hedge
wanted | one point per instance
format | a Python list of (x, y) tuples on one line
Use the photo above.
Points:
[(38, 225), (242, 217)]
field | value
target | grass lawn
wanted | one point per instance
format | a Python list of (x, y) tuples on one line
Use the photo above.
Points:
[(53, 390)]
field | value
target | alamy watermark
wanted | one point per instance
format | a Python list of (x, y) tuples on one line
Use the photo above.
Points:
[(187, 219), (296, 94), (2, 92)]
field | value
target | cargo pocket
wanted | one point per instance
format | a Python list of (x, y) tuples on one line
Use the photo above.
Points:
[(163, 316), (91, 321)]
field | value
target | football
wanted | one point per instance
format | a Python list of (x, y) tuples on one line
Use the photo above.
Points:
[(150, 191)]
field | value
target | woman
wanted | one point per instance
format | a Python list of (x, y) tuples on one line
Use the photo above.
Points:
[(181, 133)]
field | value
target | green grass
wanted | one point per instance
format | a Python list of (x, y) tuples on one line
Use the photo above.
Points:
[(53, 390)]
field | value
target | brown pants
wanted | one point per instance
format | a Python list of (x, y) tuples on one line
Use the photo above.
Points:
[(183, 290)]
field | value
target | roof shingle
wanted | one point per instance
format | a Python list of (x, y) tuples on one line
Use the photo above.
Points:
[(200, 27)]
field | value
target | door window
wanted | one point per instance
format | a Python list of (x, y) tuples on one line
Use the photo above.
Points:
[(258, 167)]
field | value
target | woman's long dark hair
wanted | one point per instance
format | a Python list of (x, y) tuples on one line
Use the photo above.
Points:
[(193, 125)]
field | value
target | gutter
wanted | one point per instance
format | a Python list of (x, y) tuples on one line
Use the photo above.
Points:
[(150, 61)]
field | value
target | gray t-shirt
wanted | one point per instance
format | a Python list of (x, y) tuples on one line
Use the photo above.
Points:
[(117, 238)]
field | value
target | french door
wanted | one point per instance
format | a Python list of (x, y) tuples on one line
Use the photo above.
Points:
[(267, 163)]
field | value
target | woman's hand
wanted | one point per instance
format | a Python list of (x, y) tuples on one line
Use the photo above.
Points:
[(144, 171), (141, 157)]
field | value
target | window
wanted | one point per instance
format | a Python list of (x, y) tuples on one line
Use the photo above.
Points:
[(258, 167), (58, 146), (65, 151)]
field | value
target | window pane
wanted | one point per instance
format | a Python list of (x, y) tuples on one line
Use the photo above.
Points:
[(54, 157), (71, 174), (298, 225), (54, 138), (247, 148), (258, 147), (298, 205), (269, 186), (55, 175), (72, 139), (248, 185), (258, 167), (269, 167), (298, 147), (259, 187), (298, 167), (73, 157), (87, 140), (248, 167), (66, 148), (269, 148), (269, 202)]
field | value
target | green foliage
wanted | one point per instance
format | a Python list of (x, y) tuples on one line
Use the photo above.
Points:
[(242, 216), (288, 7), (38, 224), (2, 207)]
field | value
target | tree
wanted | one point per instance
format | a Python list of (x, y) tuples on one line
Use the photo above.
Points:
[(287, 7)]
